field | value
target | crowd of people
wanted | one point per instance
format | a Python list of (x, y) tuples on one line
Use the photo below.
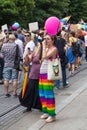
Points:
[(35, 48)]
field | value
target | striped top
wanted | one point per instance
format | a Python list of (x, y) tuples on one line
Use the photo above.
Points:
[(44, 65), (43, 68)]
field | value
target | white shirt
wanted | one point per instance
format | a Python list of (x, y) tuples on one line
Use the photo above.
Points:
[(30, 45)]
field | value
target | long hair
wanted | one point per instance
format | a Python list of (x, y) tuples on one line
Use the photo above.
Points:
[(54, 38)]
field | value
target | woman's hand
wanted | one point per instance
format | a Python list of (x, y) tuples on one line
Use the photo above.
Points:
[(44, 44)]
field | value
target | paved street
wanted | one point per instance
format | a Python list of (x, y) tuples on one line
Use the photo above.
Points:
[(70, 108)]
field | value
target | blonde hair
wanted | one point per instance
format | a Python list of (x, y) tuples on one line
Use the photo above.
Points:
[(12, 37)]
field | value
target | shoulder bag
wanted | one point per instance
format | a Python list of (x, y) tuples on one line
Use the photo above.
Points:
[(54, 71), (17, 59)]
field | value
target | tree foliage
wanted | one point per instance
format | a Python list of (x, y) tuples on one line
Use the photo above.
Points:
[(26, 11)]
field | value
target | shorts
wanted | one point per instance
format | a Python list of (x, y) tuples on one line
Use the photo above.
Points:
[(10, 73)]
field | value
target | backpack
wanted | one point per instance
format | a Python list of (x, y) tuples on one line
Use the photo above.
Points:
[(75, 48)]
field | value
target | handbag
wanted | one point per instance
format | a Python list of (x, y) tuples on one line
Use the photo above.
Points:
[(17, 59), (54, 71)]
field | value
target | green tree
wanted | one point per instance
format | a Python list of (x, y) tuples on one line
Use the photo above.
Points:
[(24, 8), (26, 11), (78, 9), (47, 8), (7, 11), (16, 11)]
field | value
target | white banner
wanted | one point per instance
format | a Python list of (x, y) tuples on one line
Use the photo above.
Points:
[(3, 27), (33, 26)]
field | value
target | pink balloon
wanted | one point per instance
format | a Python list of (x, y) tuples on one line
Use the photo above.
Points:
[(52, 25), (13, 27)]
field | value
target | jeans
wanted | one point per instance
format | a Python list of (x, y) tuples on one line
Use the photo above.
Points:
[(57, 82), (1, 68), (10, 73)]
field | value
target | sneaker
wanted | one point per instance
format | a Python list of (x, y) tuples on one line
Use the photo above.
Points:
[(44, 116), (7, 95), (66, 85), (50, 119)]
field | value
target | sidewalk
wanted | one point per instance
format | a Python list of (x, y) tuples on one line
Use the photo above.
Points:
[(70, 108), (73, 116)]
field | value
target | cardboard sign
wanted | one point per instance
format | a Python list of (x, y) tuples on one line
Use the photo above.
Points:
[(33, 26), (73, 27), (3, 27)]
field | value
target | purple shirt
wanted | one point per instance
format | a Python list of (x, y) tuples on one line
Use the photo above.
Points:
[(35, 69)]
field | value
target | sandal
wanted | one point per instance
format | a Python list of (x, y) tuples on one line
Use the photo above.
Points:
[(44, 116), (50, 119)]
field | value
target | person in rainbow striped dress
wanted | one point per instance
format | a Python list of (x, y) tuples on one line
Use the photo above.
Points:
[(46, 86)]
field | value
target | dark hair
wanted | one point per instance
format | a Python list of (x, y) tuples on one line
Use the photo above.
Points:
[(54, 38), (72, 33), (63, 28), (59, 33)]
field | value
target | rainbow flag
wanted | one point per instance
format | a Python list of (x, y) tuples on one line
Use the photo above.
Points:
[(66, 19)]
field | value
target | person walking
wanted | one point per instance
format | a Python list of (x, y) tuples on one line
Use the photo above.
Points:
[(70, 55), (46, 87)]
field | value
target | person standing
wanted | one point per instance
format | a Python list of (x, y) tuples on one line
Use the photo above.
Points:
[(1, 60), (20, 46), (29, 47), (46, 86), (61, 44), (71, 57), (32, 99), (9, 52)]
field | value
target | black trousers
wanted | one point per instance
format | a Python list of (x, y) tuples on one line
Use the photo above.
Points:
[(1, 68)]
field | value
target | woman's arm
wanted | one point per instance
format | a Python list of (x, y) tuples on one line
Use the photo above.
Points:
[(48, 53), (28, 58), (37, 50)]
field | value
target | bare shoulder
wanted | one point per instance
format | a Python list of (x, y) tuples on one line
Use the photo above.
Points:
[(55, 49)]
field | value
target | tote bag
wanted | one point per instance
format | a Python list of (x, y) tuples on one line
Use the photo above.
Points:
[(54, 71)]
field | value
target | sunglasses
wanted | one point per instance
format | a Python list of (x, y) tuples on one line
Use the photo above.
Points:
[(27, 35)]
